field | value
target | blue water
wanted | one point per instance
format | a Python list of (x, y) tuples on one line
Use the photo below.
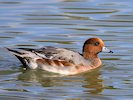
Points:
[(67, 24)]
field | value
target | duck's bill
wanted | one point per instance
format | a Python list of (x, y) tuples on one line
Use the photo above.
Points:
[(106, 50)]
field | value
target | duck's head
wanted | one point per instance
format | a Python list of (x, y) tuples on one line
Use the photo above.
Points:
[(93, 46)]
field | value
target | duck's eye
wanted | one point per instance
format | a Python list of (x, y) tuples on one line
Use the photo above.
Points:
[(97, 43)]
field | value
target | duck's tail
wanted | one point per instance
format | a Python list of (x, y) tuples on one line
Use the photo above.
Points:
[(20, 55), (15, 52)]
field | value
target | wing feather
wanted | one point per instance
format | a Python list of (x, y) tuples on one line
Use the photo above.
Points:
[(60, 54)]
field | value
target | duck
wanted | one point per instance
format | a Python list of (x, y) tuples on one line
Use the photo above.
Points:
[(61, 60)]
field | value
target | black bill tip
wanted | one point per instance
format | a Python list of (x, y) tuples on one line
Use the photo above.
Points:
[(111, 52)]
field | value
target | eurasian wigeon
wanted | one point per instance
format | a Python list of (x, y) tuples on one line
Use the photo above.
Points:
[(63, 61)]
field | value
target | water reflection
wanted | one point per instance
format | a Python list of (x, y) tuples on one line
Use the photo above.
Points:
[(46, 79), (93, 82), (90, 81)]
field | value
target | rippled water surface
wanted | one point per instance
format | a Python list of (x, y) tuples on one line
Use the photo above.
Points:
[(67, 24)]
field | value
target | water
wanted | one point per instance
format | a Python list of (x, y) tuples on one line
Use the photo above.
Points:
[(67, 24)]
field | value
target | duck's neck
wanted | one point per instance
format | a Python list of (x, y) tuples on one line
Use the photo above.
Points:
[(88, 55), (93, 58)]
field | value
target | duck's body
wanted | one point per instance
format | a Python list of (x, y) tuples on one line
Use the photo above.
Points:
[(60, 60)]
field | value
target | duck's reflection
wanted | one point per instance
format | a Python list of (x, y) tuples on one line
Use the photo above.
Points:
[(46, 79), (90, 81), (93, 82)]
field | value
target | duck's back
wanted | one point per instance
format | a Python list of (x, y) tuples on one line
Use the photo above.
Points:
[(49, 55), (60, 54)]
